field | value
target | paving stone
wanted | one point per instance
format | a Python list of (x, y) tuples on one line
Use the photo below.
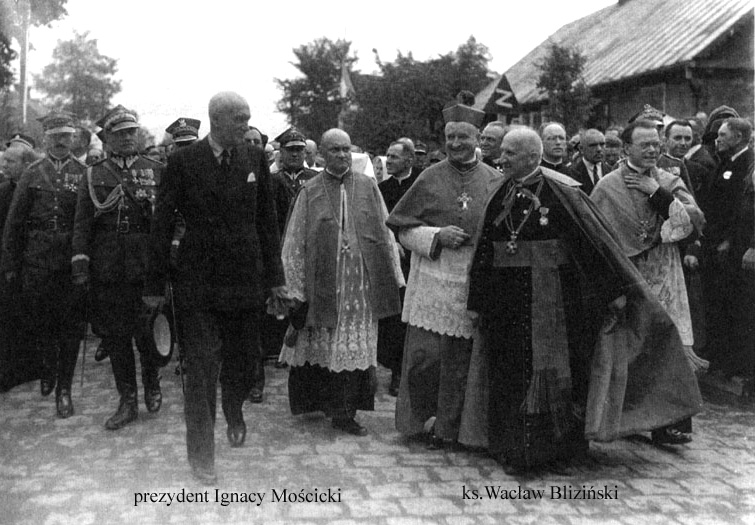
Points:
[(429, 506)]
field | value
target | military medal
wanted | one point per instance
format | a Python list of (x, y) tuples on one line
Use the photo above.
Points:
[(543, 216)]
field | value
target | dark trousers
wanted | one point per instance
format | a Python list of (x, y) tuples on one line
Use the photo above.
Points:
[(215, 343), (313, 388), (57, 320), (118, 309)]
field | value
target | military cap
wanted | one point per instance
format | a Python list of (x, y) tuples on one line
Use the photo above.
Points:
[(184, 130), (291, 137), (420, 147), (461, 111), (648, 113), (57, 122), (22, 140), (117, 119)]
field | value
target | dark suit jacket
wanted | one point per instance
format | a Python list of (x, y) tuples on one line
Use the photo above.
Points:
[(579, 173), (230, 254), (700, 167), (721, 198)]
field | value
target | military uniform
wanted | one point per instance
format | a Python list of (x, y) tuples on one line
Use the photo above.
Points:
[(37, 251), (111, 247)]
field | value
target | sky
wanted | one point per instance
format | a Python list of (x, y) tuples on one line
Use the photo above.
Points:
[(174, 55)]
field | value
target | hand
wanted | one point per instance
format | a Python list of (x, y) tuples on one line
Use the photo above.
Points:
[(618, 304), (691, 262), (722, 251), (10, 277), (748, 260), (154, 301), (401, 251), (452, 237), (645, 184)]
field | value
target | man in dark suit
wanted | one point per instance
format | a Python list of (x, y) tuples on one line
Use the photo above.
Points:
[(589, 167), (227, 261), (728, 290)]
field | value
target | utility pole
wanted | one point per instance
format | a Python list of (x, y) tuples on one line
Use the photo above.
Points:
[(24, 8)]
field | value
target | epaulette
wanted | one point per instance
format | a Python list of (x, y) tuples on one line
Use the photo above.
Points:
[(162, 165), (97, 162)]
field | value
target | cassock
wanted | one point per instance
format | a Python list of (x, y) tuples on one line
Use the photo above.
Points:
[(439, 342), (561, 369), (341, 262), (392, 330)]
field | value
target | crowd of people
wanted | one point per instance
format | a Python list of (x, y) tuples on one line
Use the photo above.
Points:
[(528, 292)]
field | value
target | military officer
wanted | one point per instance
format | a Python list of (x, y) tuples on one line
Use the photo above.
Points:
[(286, 184), (111, 245), (184, 131), (37, 250)]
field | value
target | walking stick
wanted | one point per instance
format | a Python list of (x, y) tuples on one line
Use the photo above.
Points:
[(84, 350), (178, 341)]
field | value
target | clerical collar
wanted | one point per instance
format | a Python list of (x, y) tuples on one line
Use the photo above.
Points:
[(123, 161), (554, 164), (737, 154), (634, 168), (530, 178), (338, 176), (464, 166), (402, 179)]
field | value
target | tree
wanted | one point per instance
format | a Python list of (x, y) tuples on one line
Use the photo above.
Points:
[(42, 12), (570, 100), (408, 97), (79, 79), (312, 103)]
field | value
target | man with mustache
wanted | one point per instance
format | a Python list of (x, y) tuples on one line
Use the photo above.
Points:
[(37, 250), (111, 249)]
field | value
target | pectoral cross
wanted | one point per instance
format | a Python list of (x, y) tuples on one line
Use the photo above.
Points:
[(463, 199)]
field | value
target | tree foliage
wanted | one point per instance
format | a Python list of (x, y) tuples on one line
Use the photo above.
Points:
[(79, 79), (570, 100), (406, 98), (312, 102), (42, 12)]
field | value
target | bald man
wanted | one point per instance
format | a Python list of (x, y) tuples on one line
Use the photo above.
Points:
[(228, 263), (545, 274), (342, 269)]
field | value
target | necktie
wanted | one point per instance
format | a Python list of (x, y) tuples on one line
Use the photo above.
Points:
[(225, 161), (594, 173)]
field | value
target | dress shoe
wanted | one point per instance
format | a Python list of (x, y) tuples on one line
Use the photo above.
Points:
[(395, 382), (153, 398), (102, 352), (47, 385), (255, 396), (236, 434), (205, 475), (128, 411), (63, 403), (349, 426), (669, 436)]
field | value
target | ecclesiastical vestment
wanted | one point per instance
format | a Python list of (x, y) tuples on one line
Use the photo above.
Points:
[(438, 349), (561, 368), (341, 261)]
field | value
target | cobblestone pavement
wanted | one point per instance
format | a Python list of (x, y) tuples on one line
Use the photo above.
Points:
[(74, 471)]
